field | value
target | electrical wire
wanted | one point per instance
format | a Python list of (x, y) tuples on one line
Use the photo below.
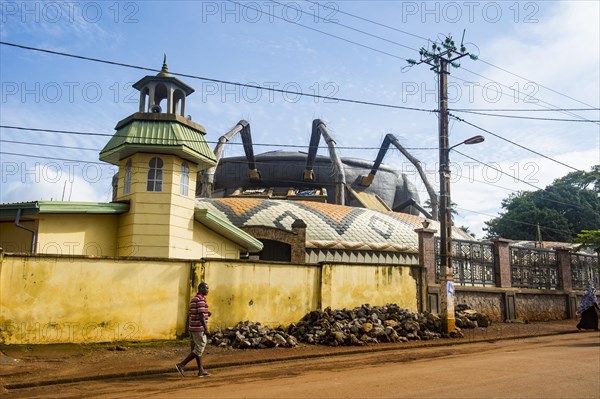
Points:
[(520, 180), (519, 92), (513, 143), (251, 86), (230, 142), (528, 117), (426, 39), (283, 91), (345, 26), (318, 30), (539, 84), (515, 221), (365, 19), (521, 109)]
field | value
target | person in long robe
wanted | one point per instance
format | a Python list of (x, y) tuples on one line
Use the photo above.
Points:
[(588, 309)]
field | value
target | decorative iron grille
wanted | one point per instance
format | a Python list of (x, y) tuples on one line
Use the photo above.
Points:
[(584, 271), (534, 268), (472, 263)]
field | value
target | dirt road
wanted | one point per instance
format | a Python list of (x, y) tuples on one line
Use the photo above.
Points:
[(540, 367)]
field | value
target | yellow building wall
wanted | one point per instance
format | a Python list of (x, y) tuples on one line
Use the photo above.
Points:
[(81, 234), (57, 299), (51, 299), (348, 286), (158, 224), (208, 244), (272, 294), (16, 239)]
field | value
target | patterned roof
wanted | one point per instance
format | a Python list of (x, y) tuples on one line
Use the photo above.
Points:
[(328, 226)]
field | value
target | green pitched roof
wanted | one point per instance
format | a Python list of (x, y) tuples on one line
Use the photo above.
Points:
[(228, 230), (159, 133)]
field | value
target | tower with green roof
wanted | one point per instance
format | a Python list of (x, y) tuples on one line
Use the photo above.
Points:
[(159, 153)]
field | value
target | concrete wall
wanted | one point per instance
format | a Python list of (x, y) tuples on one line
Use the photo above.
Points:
[(489, 303), (50, 299), (270, 293), (539, 306), (347, 286)]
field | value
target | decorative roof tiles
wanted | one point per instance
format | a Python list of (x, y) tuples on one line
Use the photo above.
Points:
[(328, 226)]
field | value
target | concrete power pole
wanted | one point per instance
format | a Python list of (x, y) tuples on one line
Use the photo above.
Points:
[(439, 57)]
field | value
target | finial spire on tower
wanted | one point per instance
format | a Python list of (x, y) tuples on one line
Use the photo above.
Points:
[(165, 69)]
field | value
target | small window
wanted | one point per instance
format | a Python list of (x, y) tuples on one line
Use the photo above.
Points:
[(184, 181), (155, 175), (127, 180)]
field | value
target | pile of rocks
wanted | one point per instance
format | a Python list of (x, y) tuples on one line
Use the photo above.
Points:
[(359, 326), (247, 335), (469, 318), (364, 325)]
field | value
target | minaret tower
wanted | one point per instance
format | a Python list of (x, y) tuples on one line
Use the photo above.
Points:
[(159, 153)]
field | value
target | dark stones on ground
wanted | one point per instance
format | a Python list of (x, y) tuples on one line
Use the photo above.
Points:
[(469, 318), (349, 327)]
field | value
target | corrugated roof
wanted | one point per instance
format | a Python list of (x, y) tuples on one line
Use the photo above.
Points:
[(163, 137), (46, 207)]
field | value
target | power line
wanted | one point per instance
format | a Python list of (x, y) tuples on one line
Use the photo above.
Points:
[(345, 26), (199, 141), (251, 86), (317, 30), (426, 39), (519, 92), (520, 180), (513, 143), (522, 109), (516, 221), (50, 145), (539, 84), (53, 158), (366, 20), (271, 89), (528, 117)]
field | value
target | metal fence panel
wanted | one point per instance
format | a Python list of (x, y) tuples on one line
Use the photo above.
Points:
[(584, 271), (534, 268), (472, 263)]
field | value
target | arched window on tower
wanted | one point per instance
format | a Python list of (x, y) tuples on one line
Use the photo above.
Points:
[(127, 179), (155, 175), (184, 181)]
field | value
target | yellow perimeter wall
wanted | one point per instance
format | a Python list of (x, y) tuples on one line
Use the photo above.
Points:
[(51, 299)]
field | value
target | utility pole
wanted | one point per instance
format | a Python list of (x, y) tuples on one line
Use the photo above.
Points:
[(439, 57)]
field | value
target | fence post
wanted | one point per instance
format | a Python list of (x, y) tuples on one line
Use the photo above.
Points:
[(502, 263), (429, 297), (299, 246), (563, 258), (427, 252)]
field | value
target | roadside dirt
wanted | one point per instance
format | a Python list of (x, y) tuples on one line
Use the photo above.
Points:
[(38, 365)]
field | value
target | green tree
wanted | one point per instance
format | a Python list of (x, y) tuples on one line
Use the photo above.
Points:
[(562, 210), (588, 239)]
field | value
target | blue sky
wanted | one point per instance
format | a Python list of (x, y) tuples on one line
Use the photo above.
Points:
[(532, 56)]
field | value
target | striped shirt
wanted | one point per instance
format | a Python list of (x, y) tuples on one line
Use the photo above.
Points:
[(198, 309)]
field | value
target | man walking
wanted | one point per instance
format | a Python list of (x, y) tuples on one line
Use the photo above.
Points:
[(198, 326)]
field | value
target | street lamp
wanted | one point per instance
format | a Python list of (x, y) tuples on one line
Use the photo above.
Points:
[(446, 274)]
